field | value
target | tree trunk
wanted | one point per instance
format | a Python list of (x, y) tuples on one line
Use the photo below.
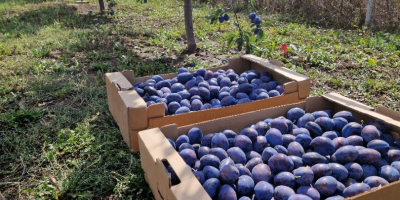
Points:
[(369, 12), (189, 26), (102, 7)]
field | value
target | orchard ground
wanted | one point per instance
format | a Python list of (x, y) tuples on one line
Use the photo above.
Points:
[(57, 138)]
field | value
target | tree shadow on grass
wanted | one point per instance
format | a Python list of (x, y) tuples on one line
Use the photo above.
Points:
[(35, 19)]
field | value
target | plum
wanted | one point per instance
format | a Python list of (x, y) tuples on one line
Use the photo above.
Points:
[(197, 166), (299, 131), (325, 123), (229, 174), (345, 114), (181, 139), (285, 178), (321, 170), (339, 172), (349, 181), (388, 139), (219, 152), (304, 140), (355, 189), (195, 135), (241, 95), (309, 191), (280, 162), (355, 140), (196, 105), (214, 94), (227, 192), (268, 153), (177, 87), (304, 175), (209, 159), (381, 125), (264, 191), (242, 101), (389, 173), (199, 176), (206, 140), (339, 189), (211, 186), (339, 122), (382, 162), (302, 121), (184, 77), (326, 185), (392, 155), (237, 155), (226, 161), (243, 142), (330, 134), (355, 170), (206, 106), (189, 84), (345, 154), (280, 124), (297, 161), (220, 140), (323, 145), (260, 144), (337, 197), (320, 113), (243, 170), (261, 128), (173, 107), (252, 154), (182, 110), (369, 133), (375, 181), (368, 170), (274, 137), (295, 149), (368, 156), (312, 158), (203, 150), (381, 146), (253, 162), (396, 165), (186, 103), (250, 132), (339, 142), (314, 129), (172, 143), (287, 139), (204, 93), (246, 88), (245, 185), (283, 192), (228, 101), (352, 128), (188, 155), (299, 197), (273, 93), (222, 95), (261, 172), (281, 149)]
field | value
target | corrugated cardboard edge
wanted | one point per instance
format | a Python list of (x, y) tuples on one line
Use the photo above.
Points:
[(154, 146)]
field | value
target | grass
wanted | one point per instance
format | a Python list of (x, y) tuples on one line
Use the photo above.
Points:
[(58, 139)]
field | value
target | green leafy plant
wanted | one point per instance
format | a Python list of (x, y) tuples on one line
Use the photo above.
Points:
[(242, 38)]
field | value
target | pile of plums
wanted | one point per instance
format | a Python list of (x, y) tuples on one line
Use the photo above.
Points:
[(307, 156)]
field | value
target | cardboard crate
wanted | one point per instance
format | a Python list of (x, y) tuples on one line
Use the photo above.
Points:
[(132, 114), (155, 148)]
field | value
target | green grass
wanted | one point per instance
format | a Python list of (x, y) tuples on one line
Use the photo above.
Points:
[(58, 139)]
